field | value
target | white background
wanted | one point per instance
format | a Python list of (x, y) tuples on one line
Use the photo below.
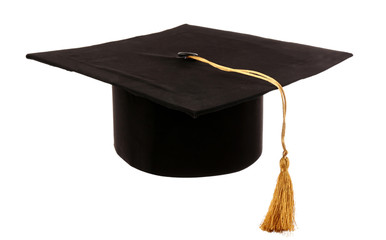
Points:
[(60, 177)]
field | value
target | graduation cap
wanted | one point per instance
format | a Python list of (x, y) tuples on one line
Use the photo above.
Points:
[(188, 101)]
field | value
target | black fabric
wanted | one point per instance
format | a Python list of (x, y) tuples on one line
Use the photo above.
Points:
[(153, 90), (147, 66), (167, 142)]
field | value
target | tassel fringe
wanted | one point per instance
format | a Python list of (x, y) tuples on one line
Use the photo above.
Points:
[(281, 212)]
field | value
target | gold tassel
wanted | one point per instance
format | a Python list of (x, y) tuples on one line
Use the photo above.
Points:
[(281, 212)]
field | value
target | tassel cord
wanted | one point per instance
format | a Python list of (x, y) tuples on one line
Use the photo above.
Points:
[(280, 216)]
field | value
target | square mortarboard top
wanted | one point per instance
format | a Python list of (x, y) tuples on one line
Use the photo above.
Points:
[(146, 66)]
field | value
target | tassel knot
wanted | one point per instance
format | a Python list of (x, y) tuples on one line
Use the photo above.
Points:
[(284, 163)]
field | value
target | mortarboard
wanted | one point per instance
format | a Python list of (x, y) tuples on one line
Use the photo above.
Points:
[(185, 105)]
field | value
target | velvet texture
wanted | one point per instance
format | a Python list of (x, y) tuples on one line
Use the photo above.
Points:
[(167, 142)]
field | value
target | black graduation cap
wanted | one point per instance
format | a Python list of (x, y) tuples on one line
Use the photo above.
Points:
[(175, 115)]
